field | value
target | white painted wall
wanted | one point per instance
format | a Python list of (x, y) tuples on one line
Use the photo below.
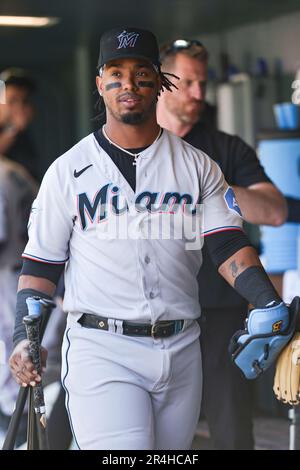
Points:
[(277, 38)]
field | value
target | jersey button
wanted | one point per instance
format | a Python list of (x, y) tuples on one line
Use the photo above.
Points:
[(151, 295), (147, 259)]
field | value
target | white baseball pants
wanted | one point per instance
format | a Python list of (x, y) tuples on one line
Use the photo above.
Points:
[(125, 392)]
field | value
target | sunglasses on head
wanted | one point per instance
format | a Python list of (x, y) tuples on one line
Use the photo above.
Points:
[(182, 44)]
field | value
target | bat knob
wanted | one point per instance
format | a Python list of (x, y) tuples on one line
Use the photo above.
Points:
[(34, 306)]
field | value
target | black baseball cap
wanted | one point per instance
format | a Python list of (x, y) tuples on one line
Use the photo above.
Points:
[(121, 43)]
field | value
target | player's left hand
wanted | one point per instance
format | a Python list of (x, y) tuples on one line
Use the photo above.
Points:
[(266, 332)]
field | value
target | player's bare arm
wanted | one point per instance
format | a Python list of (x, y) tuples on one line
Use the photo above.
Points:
[(244, 272), (269, 326), (262, 203), (38, 283), (239, 262)]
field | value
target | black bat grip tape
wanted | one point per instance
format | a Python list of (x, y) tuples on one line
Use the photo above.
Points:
[(32, 325)]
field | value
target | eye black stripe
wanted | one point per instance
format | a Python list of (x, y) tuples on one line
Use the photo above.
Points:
[(109, 86), (146, 84)]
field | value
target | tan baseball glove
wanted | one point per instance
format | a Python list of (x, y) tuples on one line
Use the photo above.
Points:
[(287, 377)]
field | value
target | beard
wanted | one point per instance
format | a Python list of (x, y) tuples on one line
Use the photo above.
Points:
[(136, 118), (186, 112), (133, 118)]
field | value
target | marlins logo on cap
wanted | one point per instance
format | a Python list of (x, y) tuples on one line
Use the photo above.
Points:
[(127, 39), (120, 43)]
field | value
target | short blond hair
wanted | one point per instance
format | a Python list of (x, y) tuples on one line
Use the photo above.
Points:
[(193, 48)]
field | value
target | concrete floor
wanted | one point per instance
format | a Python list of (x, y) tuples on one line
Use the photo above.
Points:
[(270, 434)]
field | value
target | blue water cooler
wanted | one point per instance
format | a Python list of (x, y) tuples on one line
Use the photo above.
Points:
[(279, 153)]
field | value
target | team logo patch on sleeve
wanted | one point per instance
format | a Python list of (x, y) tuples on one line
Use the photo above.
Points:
[(231, 201)]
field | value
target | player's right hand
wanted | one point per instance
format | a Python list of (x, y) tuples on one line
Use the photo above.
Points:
[(266, 333), (22, 367)]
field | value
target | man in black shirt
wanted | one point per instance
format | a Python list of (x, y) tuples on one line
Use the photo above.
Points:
[(226, 393)]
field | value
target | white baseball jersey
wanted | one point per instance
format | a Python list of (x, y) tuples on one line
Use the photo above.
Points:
[(138, 278)]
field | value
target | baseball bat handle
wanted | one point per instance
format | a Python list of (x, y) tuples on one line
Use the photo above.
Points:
[(45, 306), (38, 399), (35, 323), (32, 325)]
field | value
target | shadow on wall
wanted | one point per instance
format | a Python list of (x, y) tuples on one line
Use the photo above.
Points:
[(54, 127)]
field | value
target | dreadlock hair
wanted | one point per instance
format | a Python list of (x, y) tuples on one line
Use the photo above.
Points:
[(100, 108), (166, 84), (99, 105)]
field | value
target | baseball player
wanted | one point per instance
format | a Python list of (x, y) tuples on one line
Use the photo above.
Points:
[(17, 191), (131, 356), (15, 117)]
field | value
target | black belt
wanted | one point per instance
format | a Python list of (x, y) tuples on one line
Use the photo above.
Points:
[(161, 329)]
